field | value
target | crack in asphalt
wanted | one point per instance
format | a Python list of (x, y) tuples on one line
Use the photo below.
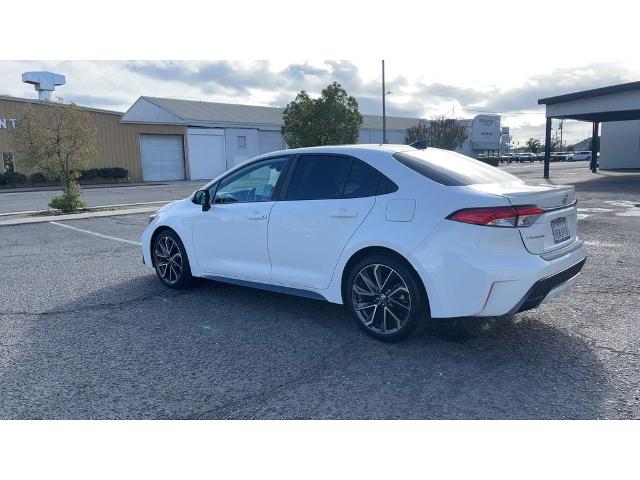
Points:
[(100, 306), (259, 399)]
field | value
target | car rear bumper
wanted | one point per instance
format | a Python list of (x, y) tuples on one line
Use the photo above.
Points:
[(473, 271), (548, 288)]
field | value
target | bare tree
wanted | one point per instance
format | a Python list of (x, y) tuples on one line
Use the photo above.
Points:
[(59, 139), (442, 132)]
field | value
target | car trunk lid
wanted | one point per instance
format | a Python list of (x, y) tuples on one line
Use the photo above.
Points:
[(556, 227)]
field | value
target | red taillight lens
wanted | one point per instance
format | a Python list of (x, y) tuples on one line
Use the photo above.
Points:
[(527, 214), (521, 216)]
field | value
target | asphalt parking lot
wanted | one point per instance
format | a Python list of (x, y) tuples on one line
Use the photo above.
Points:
[(86, 331)]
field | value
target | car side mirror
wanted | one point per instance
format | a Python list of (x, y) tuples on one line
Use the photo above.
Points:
[(201, 197)]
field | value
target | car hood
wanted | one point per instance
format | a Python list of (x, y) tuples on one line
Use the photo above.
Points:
[(171, 205)]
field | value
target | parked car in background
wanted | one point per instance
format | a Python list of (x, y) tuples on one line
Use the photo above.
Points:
[(396, 234), (582, 155)]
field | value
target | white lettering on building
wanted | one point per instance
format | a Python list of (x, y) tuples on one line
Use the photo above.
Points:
[(7, 121)]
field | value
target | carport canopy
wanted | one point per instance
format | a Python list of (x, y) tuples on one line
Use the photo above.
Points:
[(607, 104)]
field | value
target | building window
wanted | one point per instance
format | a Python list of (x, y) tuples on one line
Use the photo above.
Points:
[(242, 141), (7, 162)]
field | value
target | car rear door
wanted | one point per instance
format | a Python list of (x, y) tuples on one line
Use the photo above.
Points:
[(325, 199)]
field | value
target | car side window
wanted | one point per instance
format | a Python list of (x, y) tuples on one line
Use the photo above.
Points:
[(362, 180), (253, 183), (317, 177)]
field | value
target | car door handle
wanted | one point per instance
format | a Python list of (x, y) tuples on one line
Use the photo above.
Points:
[(343, 213), (257, 216)]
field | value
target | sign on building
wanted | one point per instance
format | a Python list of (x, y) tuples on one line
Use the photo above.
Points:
[(486, 132)]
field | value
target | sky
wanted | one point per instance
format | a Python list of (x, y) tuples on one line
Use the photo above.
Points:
[(418, 89)]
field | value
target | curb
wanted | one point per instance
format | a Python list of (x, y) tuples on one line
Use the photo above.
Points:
[(53, 188), (115, 206), (76, 216)]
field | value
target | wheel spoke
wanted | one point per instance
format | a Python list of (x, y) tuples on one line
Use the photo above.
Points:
[(383, 325), (365, 305), (367, 280), (376, 276), (398, 321), (369, 321), (384, 284), (398, 289), (400, 304), (361, 291)]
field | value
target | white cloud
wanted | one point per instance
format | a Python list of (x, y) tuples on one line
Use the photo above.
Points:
[(117, 84)]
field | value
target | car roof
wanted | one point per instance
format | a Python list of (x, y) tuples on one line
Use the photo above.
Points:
[(344, 149)]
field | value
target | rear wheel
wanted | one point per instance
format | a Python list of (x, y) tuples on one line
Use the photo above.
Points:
[(385, 297), (170, 260)]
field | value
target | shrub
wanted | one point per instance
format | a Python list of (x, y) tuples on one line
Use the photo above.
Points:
[(38, 177), (111, 172), (69, 201), (12, 178)]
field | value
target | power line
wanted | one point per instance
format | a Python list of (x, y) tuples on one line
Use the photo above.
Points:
[(503, 113)]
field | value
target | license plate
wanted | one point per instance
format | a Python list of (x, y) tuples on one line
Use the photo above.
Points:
[(560, 229)]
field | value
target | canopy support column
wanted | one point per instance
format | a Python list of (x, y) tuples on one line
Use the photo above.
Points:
[(547, 148), (595, 146)]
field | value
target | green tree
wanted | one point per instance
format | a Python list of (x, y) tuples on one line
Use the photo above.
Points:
[(60, 140), (534, 145), (442, 132), (331, 119)]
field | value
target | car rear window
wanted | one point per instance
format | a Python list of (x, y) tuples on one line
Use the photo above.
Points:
[(451, 168)]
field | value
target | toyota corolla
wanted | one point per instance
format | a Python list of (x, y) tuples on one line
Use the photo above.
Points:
[(397, 235)]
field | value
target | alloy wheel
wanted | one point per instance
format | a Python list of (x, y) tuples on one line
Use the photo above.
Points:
[(168, 260), (381, 299)]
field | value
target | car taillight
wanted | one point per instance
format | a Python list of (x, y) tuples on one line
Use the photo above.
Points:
[(519, 216), (527, 214)]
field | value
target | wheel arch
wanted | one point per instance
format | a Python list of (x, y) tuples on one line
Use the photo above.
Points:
[(154, 235), (376, 250)]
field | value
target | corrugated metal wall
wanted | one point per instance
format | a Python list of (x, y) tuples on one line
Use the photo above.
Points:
[(118, 144)]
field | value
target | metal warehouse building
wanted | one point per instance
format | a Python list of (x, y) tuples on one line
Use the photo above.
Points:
[(162, 139), (118, 144), (167, 139), (218, 136)]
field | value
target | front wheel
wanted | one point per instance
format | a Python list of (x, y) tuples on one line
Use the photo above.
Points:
[(386, 298), (170, 260)]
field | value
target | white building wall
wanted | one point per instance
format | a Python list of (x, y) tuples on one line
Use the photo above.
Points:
[(620, 145), (236, 153)]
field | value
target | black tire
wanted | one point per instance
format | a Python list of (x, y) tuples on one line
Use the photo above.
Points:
[(168, 251), (385, 325)]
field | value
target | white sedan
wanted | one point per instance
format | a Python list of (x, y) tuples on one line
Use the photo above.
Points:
[(396, 234)]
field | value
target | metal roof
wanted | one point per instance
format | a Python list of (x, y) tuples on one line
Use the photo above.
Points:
[(39, 102), (595, 92), (199, 112)]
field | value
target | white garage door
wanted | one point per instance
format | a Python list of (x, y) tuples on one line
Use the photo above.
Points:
[(206, 153), (162, 157)]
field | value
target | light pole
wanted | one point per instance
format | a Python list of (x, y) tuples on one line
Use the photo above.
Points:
[(384, 107), (384, 113)]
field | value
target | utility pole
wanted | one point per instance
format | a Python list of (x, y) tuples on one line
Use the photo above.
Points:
[(384, 113), (561, 147)]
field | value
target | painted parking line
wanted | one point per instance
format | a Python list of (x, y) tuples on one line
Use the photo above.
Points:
[(117, 239)]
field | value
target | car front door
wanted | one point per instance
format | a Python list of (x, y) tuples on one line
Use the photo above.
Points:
[(230, 239), (326, 198)]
